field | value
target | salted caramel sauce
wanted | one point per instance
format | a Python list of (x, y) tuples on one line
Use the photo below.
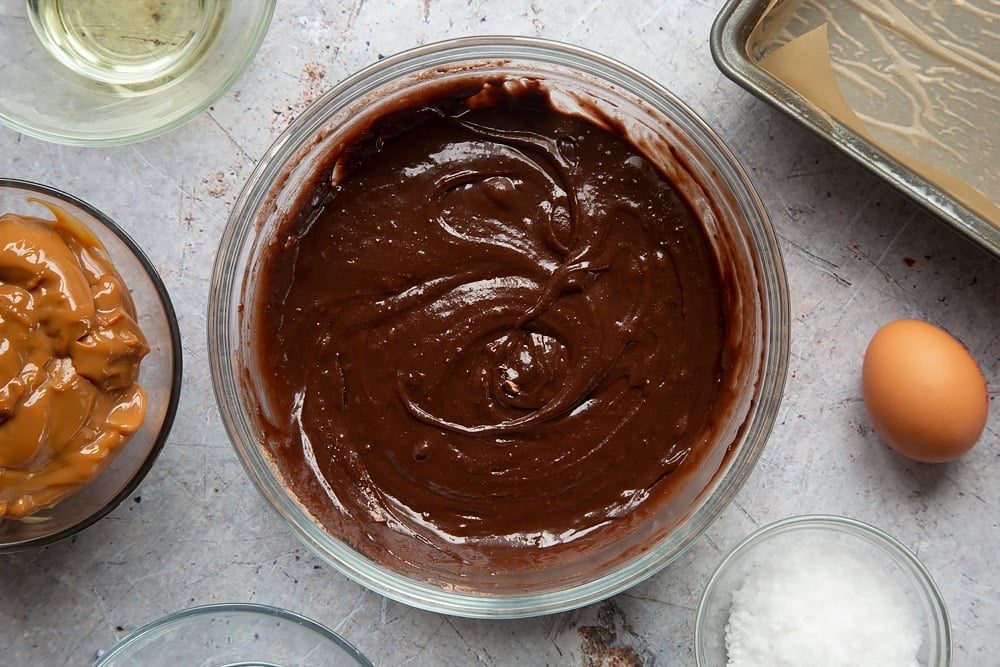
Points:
[(70, 349)]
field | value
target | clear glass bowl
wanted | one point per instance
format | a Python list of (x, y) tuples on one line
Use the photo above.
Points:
[(159, 374), (745, 242), (45, 97), (233, 635), (782, 541)]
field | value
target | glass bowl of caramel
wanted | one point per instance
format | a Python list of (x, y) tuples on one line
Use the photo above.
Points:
[(90, 365), (498, 326)]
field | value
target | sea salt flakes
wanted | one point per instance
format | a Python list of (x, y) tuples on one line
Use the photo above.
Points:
[(821, 608)]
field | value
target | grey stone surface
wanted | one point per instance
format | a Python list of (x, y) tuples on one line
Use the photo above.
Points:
[(857, 255)]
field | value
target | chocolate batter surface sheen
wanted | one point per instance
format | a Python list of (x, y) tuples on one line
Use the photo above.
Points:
[(499, 332)]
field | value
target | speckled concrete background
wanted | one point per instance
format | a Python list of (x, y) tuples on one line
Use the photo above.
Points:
[(857, 255)]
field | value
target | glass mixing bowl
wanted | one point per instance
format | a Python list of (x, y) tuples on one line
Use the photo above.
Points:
[(233, 635), (159, 373), (789, 541), (736, 222)]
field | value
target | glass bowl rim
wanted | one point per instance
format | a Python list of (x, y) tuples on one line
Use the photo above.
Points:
[(855, 528), (175, 348), (252, 609), (769, 270), (161, 124)]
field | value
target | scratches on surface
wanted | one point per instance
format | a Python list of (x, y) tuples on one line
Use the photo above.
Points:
[(313, 78), (877, 264), (753, 520), (244, 155), (352, 17), (584, 17), (482, 657), (179, 483), (360, 603), (655, 14), (632, 594), (163, 177), (822, 264)]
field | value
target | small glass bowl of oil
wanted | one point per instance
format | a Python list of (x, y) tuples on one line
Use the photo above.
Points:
[(111, 72), (139, 42)]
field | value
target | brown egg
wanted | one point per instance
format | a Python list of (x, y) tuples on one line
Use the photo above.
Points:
[(924, 392)]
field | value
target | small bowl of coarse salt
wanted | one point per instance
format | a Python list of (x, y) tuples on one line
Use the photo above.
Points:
[(822, 591)]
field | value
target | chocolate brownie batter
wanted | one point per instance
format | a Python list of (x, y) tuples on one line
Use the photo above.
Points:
[(495, 333)]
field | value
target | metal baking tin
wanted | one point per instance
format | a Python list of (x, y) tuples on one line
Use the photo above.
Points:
[(730, 33)]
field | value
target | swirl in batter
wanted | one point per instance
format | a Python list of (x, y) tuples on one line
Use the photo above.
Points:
[(500, 331)]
